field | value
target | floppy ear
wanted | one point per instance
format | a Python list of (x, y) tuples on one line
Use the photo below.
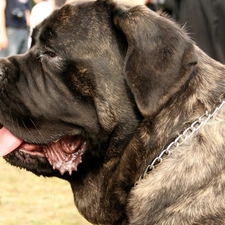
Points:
[(160, 57)]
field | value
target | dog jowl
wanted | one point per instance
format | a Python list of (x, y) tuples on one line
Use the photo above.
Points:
[(103, 89)]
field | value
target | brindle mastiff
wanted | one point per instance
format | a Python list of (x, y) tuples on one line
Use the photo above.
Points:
[(104, 90)]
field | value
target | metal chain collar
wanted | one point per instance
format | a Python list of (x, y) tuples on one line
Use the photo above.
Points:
[(195, 126)]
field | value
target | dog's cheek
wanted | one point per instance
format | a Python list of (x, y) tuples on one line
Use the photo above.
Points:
[(80, 78)]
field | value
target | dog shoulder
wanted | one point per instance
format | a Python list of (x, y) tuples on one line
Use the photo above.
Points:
[(188, 180)]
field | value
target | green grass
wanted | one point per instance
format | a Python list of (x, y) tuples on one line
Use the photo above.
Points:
[(30, 200)]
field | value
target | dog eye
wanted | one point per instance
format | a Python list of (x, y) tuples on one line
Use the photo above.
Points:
[(51, 54)]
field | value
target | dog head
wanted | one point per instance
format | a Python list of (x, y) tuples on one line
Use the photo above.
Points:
[(93, 72)]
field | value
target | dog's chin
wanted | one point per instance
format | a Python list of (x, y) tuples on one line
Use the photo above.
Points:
[(36, 164), (61, 156)]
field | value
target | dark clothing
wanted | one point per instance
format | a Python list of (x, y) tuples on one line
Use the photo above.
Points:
[(151, 6), (59, 3), (16, 27), (205, 22), (15, 13)]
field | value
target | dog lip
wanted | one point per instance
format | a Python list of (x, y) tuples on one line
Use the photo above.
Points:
[(32, 149), (64, 154)]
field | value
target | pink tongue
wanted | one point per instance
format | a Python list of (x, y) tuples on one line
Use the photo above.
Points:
[(8, 142)]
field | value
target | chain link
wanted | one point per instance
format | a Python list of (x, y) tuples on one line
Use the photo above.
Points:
[(195, 126)]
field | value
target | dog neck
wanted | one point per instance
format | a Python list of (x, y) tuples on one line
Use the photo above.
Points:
[(187, 133)]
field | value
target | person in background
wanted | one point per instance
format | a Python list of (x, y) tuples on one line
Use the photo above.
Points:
[(205, 22), (59, 3), (40, 11), (166, 6), (14, 22), (150, 4)]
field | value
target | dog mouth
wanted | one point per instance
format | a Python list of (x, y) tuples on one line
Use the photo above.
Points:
[(64, 155)]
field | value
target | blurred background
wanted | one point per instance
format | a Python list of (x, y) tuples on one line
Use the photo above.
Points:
[(27, 199)]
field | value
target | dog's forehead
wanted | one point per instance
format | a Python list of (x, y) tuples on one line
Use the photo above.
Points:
[(74, 16), (77, 20), (78, 28)]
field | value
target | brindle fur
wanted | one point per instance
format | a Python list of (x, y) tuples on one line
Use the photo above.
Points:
[(132, 80)]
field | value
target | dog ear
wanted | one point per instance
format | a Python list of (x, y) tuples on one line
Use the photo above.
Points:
[(160, 57)]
